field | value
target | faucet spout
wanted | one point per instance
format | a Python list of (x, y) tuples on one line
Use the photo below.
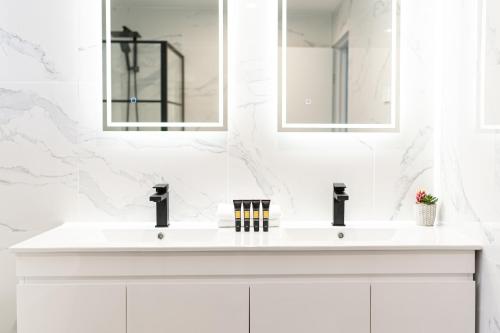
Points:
[(158, 197), (339, 199), (161, 198)]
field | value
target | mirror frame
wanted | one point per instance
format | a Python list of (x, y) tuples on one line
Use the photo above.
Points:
[(222, 112), (283, 126), (481, 77)]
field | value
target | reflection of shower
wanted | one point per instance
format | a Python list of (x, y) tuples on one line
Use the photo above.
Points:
[(125, 47), (172, 91)]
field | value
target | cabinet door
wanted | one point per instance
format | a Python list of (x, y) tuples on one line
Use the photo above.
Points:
[(423, 307), (187, 308), (71, 308), (310, 307)]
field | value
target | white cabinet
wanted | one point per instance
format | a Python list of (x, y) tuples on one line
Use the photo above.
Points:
[(76, 308), (310, 307), (265, 307), (423, 307), (187, 308), (286, 291)]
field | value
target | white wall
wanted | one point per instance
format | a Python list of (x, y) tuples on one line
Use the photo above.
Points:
[(57, 165)]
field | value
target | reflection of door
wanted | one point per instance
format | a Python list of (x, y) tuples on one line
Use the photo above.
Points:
[(309, 85), (341, 92)]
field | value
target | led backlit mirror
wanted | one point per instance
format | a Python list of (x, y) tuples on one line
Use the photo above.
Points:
[(339, 65), (489, 80), (164, 65)]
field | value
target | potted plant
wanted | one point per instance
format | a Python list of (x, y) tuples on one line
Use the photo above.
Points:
[(425, 208)]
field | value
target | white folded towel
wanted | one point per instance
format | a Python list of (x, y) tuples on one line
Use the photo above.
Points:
[(225, 215)]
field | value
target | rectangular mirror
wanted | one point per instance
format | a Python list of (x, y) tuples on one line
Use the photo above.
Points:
[(339, 68), (164, 65), (489, 80)]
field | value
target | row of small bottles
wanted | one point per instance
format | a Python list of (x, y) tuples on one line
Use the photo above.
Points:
[(251, 206)]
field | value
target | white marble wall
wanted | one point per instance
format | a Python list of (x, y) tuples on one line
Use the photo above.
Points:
[(468, 156), (57, 164)]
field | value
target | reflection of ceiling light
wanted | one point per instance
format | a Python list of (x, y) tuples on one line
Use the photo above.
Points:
[(388, 30), (251, 4)]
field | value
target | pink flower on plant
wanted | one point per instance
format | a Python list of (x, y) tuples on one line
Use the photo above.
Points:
[(420, 196), (423, 198)]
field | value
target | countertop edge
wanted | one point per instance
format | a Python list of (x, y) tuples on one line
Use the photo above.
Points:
[(245, 249)]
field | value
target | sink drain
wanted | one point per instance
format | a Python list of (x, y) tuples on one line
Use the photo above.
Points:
[(340, 235), (160, 235)]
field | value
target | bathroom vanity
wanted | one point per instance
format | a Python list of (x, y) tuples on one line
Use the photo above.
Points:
[(129, 278)]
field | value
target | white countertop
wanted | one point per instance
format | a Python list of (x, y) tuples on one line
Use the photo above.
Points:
[(184, 236)]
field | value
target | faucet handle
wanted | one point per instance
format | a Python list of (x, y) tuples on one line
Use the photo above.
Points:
[(161, 188), (339, 188)]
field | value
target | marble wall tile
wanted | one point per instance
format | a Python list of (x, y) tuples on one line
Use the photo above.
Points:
[(252, 53), (116, 175), (89, 42), (38, 40), (393, 198), (38, 144), (310, 173)]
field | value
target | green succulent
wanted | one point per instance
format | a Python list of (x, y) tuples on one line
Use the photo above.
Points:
[(426, 199)]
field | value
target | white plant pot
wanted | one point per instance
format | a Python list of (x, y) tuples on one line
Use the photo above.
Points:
[(425, 215)]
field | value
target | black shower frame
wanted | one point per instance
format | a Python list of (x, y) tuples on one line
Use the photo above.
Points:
[(164, 46)]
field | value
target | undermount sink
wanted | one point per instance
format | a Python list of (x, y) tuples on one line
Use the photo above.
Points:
[(185, 236), (337, 235), (228, 237)]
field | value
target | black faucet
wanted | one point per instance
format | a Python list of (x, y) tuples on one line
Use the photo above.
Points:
[(161, 199), (339, 198)]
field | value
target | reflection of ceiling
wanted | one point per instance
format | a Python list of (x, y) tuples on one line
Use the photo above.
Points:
[(313, 5), (167, 3), (309, 5)]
